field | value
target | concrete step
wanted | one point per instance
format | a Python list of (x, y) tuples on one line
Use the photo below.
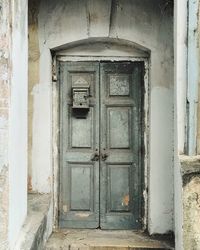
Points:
[(104, 240), (34, 232)]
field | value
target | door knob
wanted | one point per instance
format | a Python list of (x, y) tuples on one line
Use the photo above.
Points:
[(104, 157), (95, 157)]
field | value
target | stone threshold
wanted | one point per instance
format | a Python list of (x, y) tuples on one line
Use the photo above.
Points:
[(104, 240), (34, 232)]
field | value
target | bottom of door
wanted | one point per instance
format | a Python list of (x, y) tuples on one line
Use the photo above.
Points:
[(109, 223)]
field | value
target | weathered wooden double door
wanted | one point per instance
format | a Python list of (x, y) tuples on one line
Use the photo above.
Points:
[(100, 156)]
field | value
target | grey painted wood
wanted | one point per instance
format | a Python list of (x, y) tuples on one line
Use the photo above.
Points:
[(101, 163), (79, 140), (120, 173)]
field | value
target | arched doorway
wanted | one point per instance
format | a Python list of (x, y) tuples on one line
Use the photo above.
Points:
[(101, 164)]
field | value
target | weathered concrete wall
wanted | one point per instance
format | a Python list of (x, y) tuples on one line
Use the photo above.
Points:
[(5, 41), (38, 224), (13, 119), (18, 120), (41, 174), (191, 205), (191, 202), (33, 74), (147, 23)]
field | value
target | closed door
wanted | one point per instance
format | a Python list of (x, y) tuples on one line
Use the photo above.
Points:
[(101, 147)]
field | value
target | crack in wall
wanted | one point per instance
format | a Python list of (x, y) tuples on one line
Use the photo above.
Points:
[(113, 14)]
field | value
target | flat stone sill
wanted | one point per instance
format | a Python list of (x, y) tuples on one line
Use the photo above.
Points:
[(34, 227), (95, 239), (190, 164)]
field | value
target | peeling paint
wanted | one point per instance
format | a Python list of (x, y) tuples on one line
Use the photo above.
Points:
[(65, 208), (125, 201), (82, 215), (30, 187)]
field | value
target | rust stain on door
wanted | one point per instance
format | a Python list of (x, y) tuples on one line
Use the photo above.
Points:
[(125, 200)]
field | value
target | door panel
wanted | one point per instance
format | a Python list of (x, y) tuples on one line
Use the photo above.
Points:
[(82, 194), (79, 199), (120, 172), (101, 170), (118, 188), (118, 127), (86, 126)]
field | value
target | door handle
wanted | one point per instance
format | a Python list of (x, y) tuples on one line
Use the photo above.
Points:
[(104, 157), (95, 157)]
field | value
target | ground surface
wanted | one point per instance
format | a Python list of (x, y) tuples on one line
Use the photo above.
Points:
[(103, 240)]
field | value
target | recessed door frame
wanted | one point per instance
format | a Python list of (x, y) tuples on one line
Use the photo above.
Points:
[(56, 125)]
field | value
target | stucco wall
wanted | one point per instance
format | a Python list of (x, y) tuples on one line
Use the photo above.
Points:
[(4, 118), (18, 121), (33, 69), (147, 23), (13, 119)]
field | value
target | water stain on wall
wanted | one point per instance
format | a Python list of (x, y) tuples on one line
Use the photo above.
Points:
[(33, 72)]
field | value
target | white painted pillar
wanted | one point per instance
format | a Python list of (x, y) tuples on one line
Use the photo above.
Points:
[(180, 80), (193, 75), (13, 120), (5, 80), (18, 119)]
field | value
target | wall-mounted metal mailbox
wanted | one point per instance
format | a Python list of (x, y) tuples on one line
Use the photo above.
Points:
[(80, 97)]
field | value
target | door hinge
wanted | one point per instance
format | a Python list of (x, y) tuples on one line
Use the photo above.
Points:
[(54, 78), (54, 75)]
